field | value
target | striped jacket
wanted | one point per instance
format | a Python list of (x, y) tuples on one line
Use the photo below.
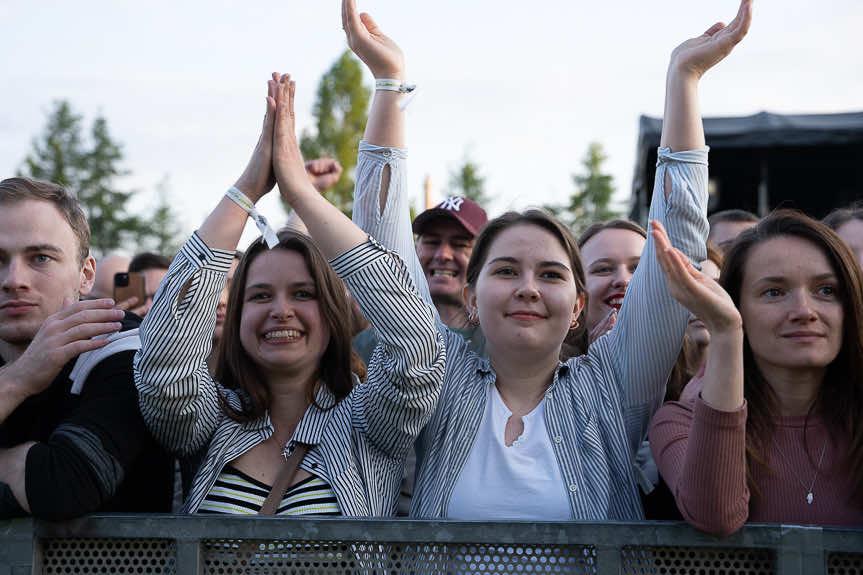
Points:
[(598, 405), (358, 446)]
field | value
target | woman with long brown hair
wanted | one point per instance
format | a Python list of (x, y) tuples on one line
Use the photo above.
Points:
[(772, 431), (286, 428)]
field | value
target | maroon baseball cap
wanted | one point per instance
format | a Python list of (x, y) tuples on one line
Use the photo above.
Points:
[(464, 211)]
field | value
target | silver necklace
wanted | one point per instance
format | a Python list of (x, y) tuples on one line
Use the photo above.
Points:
[(809, 497)]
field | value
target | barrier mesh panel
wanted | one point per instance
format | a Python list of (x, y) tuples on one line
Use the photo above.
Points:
[(696, 561), (845, 564), (234, 557), (156, 556)]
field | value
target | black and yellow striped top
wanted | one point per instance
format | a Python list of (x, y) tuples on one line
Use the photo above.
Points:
[(236, 493)]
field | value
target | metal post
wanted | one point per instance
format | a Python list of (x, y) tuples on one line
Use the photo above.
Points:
[(189, 556), (17, 551), (801, 552)]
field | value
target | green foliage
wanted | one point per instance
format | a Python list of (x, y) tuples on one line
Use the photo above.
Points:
[(340, 111), (89, 169), (467, 181), (591, 201), (165, 231)]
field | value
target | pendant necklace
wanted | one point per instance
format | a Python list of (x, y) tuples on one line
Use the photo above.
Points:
[(809, 497)]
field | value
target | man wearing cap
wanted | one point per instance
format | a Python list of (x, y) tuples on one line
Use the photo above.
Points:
[(445, 235)]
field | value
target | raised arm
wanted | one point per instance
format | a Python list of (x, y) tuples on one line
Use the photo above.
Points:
[(177, 396), (381, 205), (406, 372), (642, 347)]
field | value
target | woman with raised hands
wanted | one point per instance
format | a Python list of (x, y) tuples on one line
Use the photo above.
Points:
[(286, 429), (522, 435), (771, 432)]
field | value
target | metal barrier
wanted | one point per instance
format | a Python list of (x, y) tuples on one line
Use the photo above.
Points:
[(267, 545)]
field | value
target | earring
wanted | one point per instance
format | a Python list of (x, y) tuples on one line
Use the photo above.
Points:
[(473, 317), (573, 325)]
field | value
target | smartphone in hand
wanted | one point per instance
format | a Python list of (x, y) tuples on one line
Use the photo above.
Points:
[(128, 285)]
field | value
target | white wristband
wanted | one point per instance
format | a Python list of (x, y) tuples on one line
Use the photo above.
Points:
[(241, 200), (394, 85)]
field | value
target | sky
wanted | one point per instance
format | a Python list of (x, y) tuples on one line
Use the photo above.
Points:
[(519, 88)]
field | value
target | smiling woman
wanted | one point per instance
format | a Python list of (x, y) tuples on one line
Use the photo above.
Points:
[(772, 431), (523, 435), (284, 414)]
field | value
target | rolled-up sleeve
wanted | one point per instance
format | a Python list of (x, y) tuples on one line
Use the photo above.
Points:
[(645, 341), (177, 396)]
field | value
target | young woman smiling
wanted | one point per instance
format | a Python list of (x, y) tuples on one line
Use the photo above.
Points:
[(611, 252), (772, 431), (522, 435), (285, 382)]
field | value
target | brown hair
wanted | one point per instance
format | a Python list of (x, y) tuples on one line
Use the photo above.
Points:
[(840, 216), (841, 392), (236, 370), (683, 371), (19, 189), (576, 341), (149, 261), (618, 224)]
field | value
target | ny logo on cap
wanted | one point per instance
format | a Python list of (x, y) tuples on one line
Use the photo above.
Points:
[(453, 203)]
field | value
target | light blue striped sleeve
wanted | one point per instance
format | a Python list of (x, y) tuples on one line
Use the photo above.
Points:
[(390, 226), (178, 398), (646, 339)]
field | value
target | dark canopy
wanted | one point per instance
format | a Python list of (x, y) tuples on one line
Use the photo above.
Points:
[(757, 163)]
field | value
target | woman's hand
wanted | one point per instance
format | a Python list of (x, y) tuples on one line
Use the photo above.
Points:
[(694, 290), (258, 177), (697, 55), (383, 57), (287, 159)]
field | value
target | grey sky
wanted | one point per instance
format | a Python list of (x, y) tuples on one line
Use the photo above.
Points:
[(522, 87)]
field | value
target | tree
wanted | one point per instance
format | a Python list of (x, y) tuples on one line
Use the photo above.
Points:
[(594, 190), (88, 170), (340, 111), (467, 181), (165, 231)]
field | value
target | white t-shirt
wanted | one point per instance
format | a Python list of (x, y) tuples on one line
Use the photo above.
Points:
[(522, 481)]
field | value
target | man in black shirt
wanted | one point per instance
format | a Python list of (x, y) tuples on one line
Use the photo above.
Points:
[(72, 439)]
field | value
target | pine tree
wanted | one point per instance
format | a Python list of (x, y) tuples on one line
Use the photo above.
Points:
[(467, 181), (340, 112), (88, 170), (594, 189)]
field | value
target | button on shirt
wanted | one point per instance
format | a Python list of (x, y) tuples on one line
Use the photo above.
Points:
[(520, 481)]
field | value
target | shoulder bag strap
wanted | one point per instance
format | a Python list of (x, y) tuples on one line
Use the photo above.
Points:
[(284, 480)]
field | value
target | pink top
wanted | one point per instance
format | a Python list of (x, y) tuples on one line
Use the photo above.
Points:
[(701, 453)]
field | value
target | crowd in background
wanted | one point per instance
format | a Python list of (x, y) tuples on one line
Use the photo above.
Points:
[(450, 366)]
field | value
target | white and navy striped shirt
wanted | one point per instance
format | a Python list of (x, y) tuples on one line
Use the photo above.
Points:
[(358, 447), (598, 405)]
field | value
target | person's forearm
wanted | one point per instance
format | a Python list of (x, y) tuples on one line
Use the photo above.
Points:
[(12, 466), (386, 124), (11, 392), (224, 226), (723, 374), (682, 128), (332, 231)]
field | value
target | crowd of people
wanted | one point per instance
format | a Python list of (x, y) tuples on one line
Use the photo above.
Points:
[(453, 366)]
